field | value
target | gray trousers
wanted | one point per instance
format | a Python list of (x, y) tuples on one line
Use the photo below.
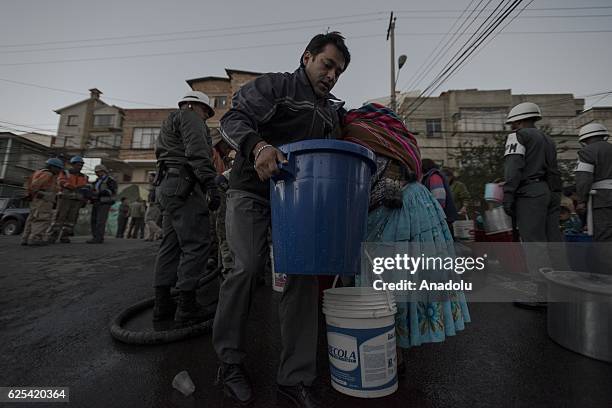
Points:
[(537, 214), (537, 219), (185, 246), (247, 222), (99, 215)]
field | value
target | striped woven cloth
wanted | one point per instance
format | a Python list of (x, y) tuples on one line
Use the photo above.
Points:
[(378, 128)]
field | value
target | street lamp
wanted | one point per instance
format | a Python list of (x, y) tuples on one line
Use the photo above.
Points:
[(400, 63)]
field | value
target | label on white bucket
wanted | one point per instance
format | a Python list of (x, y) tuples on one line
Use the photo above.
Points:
[(278, 279), (363, 361)]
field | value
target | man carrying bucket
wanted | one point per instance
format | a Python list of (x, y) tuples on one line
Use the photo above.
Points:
[(272, 110)]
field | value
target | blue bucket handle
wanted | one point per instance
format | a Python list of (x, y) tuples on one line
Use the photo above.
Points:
[(287, 170)]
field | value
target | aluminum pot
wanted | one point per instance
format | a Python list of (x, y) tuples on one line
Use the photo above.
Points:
[(496, 220), (580, 312)]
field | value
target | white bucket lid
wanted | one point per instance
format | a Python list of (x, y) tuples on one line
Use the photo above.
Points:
[(360, 302), (354, 291), (357, 307), (360, 314)]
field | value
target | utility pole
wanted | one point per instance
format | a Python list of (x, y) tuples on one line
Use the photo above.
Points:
[(391, 35)]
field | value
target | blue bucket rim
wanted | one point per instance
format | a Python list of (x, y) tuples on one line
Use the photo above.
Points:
[(331, 144)]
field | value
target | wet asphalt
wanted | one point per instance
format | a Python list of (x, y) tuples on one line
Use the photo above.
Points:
[(56, 304)]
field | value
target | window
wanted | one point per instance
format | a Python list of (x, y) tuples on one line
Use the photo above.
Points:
[(220, 102), (481, 120), (105, 141), (144, 138), (434, 127), (103, 120), (72, 120)]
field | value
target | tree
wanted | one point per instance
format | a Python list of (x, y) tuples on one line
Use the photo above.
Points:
[(480, 162)]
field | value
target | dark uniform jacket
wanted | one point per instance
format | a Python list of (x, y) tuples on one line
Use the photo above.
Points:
[(277, 108), (184, 140), (530, 156), (594, 164)]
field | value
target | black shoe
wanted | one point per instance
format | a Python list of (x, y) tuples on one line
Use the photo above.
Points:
[(300, 395), (189, 311), (37, 242), (164, 307), (236, 383), (64, 240), (94, 241)]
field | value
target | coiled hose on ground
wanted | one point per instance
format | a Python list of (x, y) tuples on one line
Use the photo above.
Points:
[(149, 337)]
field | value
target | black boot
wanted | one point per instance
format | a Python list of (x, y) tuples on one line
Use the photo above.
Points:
[(189, 311), (236, 383), (165, 306), (300, 395)]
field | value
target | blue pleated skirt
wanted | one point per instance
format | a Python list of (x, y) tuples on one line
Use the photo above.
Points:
[(420, 221)]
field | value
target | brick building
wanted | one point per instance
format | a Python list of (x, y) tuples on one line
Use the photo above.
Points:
[(124, 139)]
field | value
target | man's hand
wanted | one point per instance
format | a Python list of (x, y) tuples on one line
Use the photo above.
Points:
[(266, 161), (214, 199)]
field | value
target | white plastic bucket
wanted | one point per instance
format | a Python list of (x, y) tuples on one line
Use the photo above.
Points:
[(278, 279), (464, 229), (361, 341)]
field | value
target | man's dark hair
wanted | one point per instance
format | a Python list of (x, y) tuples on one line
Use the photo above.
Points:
[(319, 41)]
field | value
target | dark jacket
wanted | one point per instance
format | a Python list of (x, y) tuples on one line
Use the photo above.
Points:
[(184, 139), (277, 108), (530, 156), (594, 164), (104, 190)]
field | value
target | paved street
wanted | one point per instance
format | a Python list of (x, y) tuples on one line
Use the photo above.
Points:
[(56, 303)]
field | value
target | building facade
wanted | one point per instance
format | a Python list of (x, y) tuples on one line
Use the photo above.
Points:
[(19, 158), (457, 117)]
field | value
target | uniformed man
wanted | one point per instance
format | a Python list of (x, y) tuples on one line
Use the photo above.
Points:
[(42, 190), (532, 191), (594, 180), (102, 198), (267, 112), (187, 176), (70, 199)]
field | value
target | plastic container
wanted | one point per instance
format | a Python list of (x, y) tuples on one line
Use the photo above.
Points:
[(361, 342), (319, 207), (494, 192)]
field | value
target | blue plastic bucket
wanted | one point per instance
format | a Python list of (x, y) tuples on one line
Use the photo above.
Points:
[(319, 207)]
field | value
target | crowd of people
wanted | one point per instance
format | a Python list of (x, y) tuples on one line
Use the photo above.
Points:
[(217, 189)]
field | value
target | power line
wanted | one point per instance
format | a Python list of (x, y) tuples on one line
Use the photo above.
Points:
[(188, 38), (516, 32), (77, 92), (429, 61), (230, 28), (454, 59), (121, 57), (457, 62)]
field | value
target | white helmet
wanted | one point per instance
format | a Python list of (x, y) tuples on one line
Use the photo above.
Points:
[(593, 129), (524, 110), (197, 97)]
